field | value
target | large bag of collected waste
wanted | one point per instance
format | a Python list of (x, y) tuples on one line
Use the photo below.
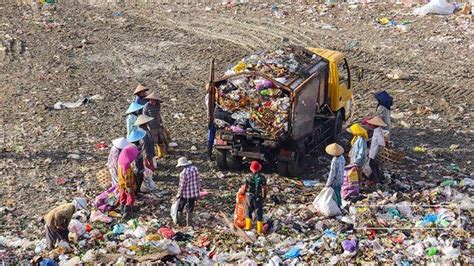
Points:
[(148, 184), (76, 227), (107, 200), (440, 7), (350, 185), (174, 211), (325, 204), (239, 213)]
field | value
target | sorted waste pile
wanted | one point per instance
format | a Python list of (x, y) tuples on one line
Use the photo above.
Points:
[(256, 103), (388, 230)]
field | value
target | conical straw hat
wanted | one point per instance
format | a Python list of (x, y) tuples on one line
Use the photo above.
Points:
[(377, 121), (153, 96), (334, 149), (140, 88), (142, 119)]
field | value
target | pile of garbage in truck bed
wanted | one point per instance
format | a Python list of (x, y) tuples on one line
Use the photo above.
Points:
[(255, 104)]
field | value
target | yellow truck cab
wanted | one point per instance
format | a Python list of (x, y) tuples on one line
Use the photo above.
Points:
[(339, 85)]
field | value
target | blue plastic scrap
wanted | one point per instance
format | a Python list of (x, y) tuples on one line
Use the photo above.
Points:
[(294, 252)]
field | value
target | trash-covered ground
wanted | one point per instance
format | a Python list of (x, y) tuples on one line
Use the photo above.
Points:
[(67, 72)]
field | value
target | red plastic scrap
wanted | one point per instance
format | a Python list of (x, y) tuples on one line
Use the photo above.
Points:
[(166, 232)]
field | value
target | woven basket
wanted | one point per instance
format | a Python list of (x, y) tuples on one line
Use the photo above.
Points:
[(390, 157), (104, 179)]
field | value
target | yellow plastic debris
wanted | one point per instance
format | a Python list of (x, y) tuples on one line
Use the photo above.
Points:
[(384, 21), (419, 149), (241, 66), (153, 237), (114, 214)]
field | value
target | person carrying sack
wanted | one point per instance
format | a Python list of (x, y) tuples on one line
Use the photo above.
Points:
[(336, 172), (188, 190), (256, 188)]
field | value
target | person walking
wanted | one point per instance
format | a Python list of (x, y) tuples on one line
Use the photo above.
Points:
[(133, 111), (127, 180), (140, 94), (376, 143), (57, 221), (336, 172), (358, 153), (188, 190), (117, 146), (256, 188)]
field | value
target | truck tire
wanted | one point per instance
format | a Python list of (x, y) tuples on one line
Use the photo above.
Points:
[(221, 159), (282, 168), (296, 167), (234, 162), (337, 130)]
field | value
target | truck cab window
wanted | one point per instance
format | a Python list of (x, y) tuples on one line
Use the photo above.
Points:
[(343, 72)]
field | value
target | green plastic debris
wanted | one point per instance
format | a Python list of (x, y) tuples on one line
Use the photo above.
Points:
[(432, 251), (447, 183), (394, 213)]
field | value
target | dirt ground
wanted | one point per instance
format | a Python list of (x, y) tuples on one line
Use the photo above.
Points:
[(74, 50)]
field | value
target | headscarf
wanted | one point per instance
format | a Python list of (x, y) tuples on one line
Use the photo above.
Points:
[(384, 99), (127, 156), (358, 131)]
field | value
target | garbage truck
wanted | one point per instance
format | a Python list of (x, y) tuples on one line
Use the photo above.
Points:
[(278, 106)]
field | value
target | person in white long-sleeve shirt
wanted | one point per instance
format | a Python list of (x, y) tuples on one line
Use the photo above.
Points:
[(376, 143), (336, 172)]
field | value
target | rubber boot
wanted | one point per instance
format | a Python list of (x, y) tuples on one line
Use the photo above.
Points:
[(259, 227), (248, 224), (189, 219)]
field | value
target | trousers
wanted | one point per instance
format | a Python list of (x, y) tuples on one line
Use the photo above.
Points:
[(189, 203), (55, 235), (377, 173), (254, 204), (126, 198)]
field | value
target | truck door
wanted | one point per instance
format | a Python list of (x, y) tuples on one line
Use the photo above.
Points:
[(344, 94)]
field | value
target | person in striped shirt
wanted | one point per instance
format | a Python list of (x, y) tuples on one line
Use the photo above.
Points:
[(188, 190)]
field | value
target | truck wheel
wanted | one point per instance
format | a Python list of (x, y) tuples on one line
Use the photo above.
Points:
[(337, 130), (234, 162), (221, 159), (282, 168), (296, 167)]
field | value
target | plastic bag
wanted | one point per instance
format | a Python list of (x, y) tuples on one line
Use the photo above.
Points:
[(107, 200), (239, 212), (148, 184), (174, 211), (440, 7), (76, 227), (366, 169), (350, 186), (325, 203), (98, 216)]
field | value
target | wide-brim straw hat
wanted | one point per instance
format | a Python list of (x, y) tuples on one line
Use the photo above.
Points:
[(153, 96), (140, 88), (120, 143), (136, 135), (183, 162), (142, 119), (134, 106), (377, 121), (334, 149)]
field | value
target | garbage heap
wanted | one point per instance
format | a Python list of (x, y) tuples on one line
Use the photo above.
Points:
[(255, 102), (393, 226)]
